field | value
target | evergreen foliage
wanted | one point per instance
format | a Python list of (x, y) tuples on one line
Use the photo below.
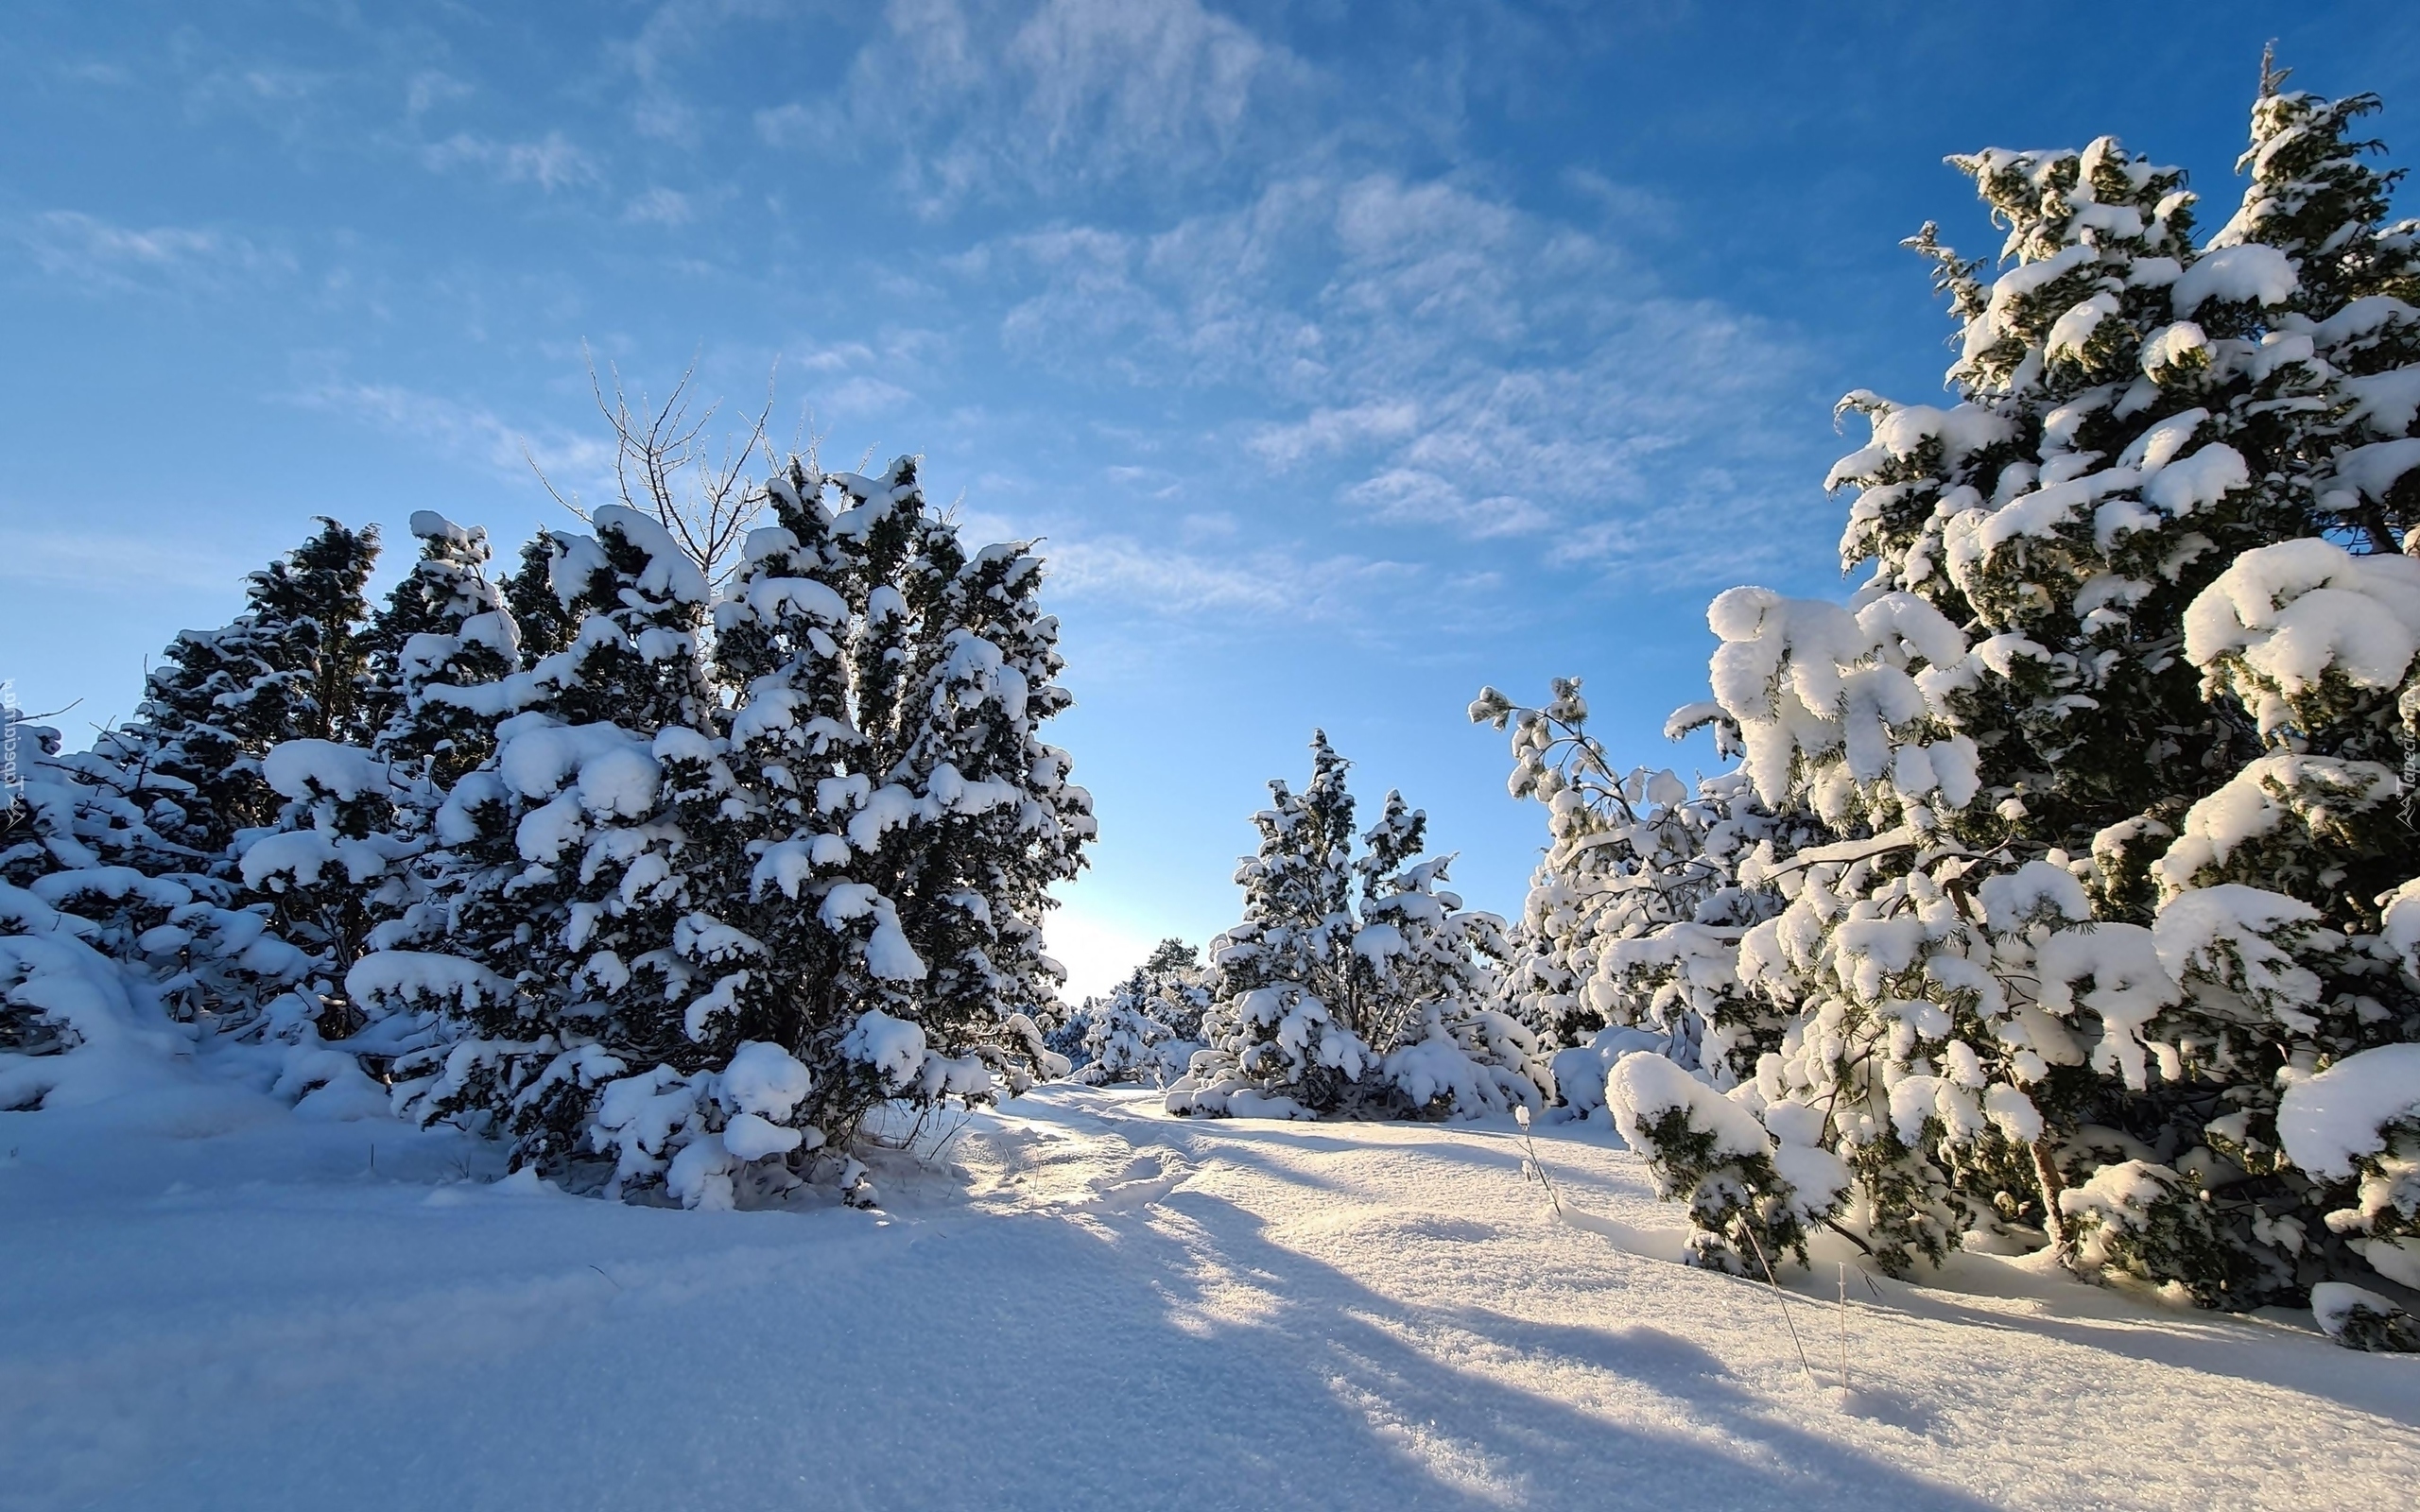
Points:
[(1356, 986), (813, 860), (669, 894), (290, 668), (1149, 1026), (2082, 832)]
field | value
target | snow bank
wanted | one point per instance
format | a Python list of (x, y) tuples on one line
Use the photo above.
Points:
[(116, 1041)]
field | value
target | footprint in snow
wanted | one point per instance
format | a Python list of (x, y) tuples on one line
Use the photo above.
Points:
[(1145, 1180)]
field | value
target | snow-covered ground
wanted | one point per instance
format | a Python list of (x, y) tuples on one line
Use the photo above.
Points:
[(1079, 1301)]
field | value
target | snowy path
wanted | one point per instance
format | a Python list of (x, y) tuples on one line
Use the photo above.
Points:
[(1092, 1305)]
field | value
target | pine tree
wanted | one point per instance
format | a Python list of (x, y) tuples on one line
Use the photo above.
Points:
[(2103, 838), (1174, 977), (151, 825), (445, 626), (1635, 915), (290, 668), (894, 689), (1356, 986), (703, 935), (587, 945), (540, 625), (1149, 1026)]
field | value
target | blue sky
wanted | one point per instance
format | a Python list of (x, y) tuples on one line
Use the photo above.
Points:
[(1348, 356)]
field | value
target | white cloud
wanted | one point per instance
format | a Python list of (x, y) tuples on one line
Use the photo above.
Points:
[(838, 357), (979, 99), (660, 206), (671, 31), (551, 161), (86, 249), (1403, 495), (1439, 357), (571, 462), (862, 396), (1279, 584), (1627, 206), (430, 88), (1326, 431)]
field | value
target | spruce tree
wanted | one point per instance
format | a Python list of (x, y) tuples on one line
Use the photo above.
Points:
[(1149, 1026), (290, 668), (597, 916), (699, 917), (443, 627), (148, 830), (1635, 915), (2097, 777), (1355, 986)]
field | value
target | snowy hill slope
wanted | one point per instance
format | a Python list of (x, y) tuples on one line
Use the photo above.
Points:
[(1083, 1302)]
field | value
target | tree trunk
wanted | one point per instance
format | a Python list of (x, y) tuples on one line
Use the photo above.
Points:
[(2046, 1175)]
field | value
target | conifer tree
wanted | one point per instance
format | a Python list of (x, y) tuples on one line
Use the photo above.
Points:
[(290, 668), (594, 947), (702, 935), (540, 625), (1635, 915), (1149, 1026), (2102, 763), (1355, 986), (148, 828), (444, 626)]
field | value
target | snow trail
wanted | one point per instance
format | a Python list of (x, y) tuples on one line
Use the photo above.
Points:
[(1081, 1302)]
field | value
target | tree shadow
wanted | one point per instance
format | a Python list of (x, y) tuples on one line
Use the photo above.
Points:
[(1172, 1355), (2214, 1344)]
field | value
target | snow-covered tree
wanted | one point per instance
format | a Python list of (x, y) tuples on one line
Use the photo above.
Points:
[(2103, 758), (1355, 986), (588, 946), (331, 868), (1635, 915), (444, 626), (138, 842), (1149, 1026), (894, 690), (113, 940), (703, 933), (540, 625), (290, 668)]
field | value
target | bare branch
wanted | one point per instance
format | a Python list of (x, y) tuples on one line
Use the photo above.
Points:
[(664, 465)]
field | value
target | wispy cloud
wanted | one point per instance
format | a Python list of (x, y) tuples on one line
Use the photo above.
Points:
[(1283, 585), (1326, 431), (430, 88), (1430, 355), (660, 206), (86, 249), (470, 433), (551, 161), (976, 99), (672, 30)]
